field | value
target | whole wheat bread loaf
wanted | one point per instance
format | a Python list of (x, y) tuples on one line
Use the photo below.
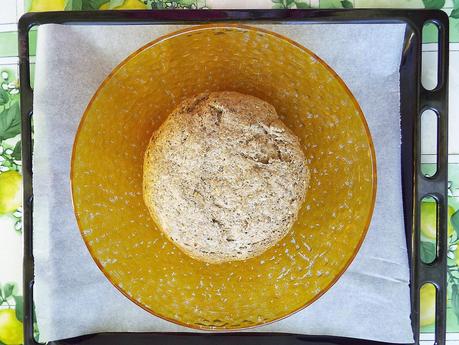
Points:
[(224, 178)]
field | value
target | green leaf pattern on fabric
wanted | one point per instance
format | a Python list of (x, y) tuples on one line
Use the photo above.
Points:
[(302, 5), (455, 300), (8, 292), (428, 252), (455, 222), (17, 151), (290, 4), (73, 5), (19, 302), (347, 4), (10, 121), (434, 4), (91, 5), (4, 97)]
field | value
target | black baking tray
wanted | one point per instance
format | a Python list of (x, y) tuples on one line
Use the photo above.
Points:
[(414, 100)]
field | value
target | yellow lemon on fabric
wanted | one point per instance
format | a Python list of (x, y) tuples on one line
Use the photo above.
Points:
[(10, 328), (10, 191), (427, 310), (47, 5), (428, 219), (127, 5)]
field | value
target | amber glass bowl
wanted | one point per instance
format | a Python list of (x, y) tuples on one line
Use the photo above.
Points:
[(106, 176)]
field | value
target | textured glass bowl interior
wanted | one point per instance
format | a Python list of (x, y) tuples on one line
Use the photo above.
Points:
[(107, 177)]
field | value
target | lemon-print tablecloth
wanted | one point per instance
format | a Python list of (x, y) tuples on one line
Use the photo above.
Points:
[(10, 164)]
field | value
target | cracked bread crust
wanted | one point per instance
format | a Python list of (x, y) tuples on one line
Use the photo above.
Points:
[(223, 177)]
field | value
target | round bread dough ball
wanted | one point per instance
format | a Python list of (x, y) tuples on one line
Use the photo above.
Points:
[(224, 178)]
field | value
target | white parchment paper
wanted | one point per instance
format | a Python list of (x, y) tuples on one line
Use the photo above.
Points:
[(72, 297)]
